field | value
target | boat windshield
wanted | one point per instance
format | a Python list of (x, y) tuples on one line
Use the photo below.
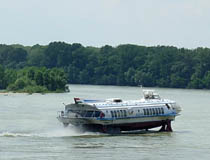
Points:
[(89, 113)]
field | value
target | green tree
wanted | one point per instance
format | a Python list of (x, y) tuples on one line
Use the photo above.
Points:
[(2, 74), (206, 80)]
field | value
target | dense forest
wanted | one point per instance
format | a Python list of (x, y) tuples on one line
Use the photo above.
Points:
[(59, 63), (33, 80)]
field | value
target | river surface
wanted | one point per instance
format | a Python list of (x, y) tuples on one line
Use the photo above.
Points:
[(29, 129)]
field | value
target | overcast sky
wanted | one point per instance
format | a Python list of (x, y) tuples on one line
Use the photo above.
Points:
[(181, 23)]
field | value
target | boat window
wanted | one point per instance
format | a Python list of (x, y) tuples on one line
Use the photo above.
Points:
[(162, 111), (115, 113), (125, 113), (159, 111), (89, 114), (112, 114), (121, 112), (144, 111), (118, 113), (153, 111), (96, 114), (82, 113), (156, 111), (150, 111), (167, 106), (117, 100), (69, 110)]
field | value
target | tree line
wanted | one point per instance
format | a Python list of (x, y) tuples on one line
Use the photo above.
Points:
[(157, 66), (33, 79)]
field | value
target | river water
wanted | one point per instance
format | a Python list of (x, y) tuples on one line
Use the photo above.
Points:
[(29, 129)]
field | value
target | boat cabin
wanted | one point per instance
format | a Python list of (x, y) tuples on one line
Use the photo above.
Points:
[(150, 94)]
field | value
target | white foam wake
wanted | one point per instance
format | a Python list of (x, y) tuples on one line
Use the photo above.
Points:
[(61, 132), (10, 134)]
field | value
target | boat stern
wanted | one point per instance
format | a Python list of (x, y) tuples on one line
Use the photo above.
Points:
[(177, 108)]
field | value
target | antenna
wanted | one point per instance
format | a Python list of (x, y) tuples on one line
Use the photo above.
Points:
[(141, 87)]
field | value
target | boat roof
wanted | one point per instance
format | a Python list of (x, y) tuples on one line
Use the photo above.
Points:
[(150, 98), (119, 103)]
